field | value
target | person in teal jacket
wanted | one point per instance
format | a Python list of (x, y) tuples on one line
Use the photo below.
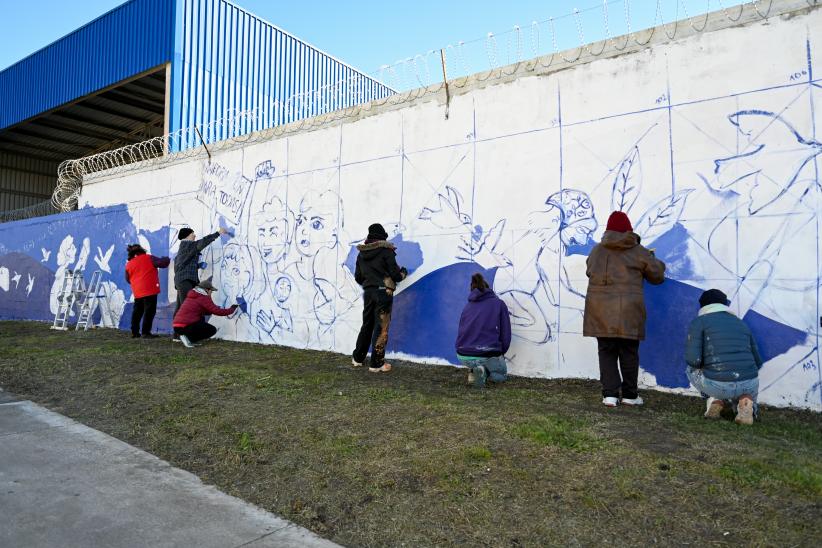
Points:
[(723, 360)]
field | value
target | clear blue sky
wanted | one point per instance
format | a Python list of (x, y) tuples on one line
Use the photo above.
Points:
[(368, 33)]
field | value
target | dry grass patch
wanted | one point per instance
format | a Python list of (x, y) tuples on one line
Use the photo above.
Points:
[(416, 457)]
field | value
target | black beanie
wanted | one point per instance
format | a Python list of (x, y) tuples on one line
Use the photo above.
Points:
[(184, 233), (377, 232), (713, 296)]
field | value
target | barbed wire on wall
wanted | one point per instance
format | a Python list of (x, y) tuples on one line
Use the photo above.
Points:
[(40, 209), (344, 99), (594, 30), (235, 126)]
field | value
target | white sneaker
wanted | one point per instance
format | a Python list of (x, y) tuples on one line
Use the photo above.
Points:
[(187, 343), (610, 402), (634, 402), (471, 377), (355, 363), (386, 367), (175, 339)]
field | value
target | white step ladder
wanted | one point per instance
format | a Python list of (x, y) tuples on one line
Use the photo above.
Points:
[(71, 291), (96, 295)]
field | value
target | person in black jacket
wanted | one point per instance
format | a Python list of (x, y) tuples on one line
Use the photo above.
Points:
[(378, 274), (187, 261)]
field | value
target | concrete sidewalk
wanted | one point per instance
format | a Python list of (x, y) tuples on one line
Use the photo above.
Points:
[(65, 484)]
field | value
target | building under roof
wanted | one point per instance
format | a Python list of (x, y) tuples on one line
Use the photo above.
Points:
[(150, 67)]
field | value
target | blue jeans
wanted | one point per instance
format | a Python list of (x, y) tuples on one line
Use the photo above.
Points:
[(722, 390), (495, 366)]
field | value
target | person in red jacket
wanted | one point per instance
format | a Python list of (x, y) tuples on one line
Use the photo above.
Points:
[(189, 322), (141, 273)]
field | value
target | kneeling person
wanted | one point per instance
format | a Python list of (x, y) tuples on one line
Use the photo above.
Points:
[(723, 359), (484, 334), (189, 322)]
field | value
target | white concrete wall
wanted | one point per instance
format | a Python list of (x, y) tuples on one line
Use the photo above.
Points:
[(711, 144)]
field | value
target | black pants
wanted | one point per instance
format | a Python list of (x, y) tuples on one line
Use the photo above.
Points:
[(626, 351), (182, 290), (196, 331), (376, 318), (144, 308)]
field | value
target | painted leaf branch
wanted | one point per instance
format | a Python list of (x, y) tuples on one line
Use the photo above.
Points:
[(662, 216), (627, 183)]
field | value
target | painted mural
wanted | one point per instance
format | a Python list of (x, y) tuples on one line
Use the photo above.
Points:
[(37, 254), (720, 176)]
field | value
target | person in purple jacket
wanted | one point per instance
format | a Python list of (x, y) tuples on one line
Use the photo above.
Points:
[(484, 334)]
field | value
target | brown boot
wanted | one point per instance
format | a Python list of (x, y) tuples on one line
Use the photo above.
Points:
[(715, 407), (744, 411)]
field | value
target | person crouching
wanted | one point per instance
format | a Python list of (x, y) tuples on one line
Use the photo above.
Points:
[(723, 359), (189, 322), (484, 334)]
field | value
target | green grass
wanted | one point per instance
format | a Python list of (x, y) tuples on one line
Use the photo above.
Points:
[(574, 434), (245, 442), (419, 457), (475, 453), (773, 474)]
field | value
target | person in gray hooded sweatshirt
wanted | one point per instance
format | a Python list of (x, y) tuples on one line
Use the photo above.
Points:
[(187, 261), (723, 360)]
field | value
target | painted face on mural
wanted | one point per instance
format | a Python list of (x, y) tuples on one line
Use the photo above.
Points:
[(272, 240), (569, 216), (578, 224), (273, 231), (235, 276), (282, 289), (317, 223)]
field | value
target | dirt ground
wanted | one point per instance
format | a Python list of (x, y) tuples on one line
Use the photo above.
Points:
[(417, 458)]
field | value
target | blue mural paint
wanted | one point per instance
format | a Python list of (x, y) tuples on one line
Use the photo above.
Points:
[(773, 338), (671, 307), (91, 238), (19, 304), (225, 238), (409, 254), (426, 315), (672, 249), (580, 249), (723, 194)]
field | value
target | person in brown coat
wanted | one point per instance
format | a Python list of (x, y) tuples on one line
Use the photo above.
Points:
[(615, 306)]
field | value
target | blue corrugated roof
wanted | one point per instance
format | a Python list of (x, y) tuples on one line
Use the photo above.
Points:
[(126, 41), (223, 58), (229, 60)]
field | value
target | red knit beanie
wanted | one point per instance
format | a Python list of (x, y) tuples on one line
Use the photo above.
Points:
[(619, 222)]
